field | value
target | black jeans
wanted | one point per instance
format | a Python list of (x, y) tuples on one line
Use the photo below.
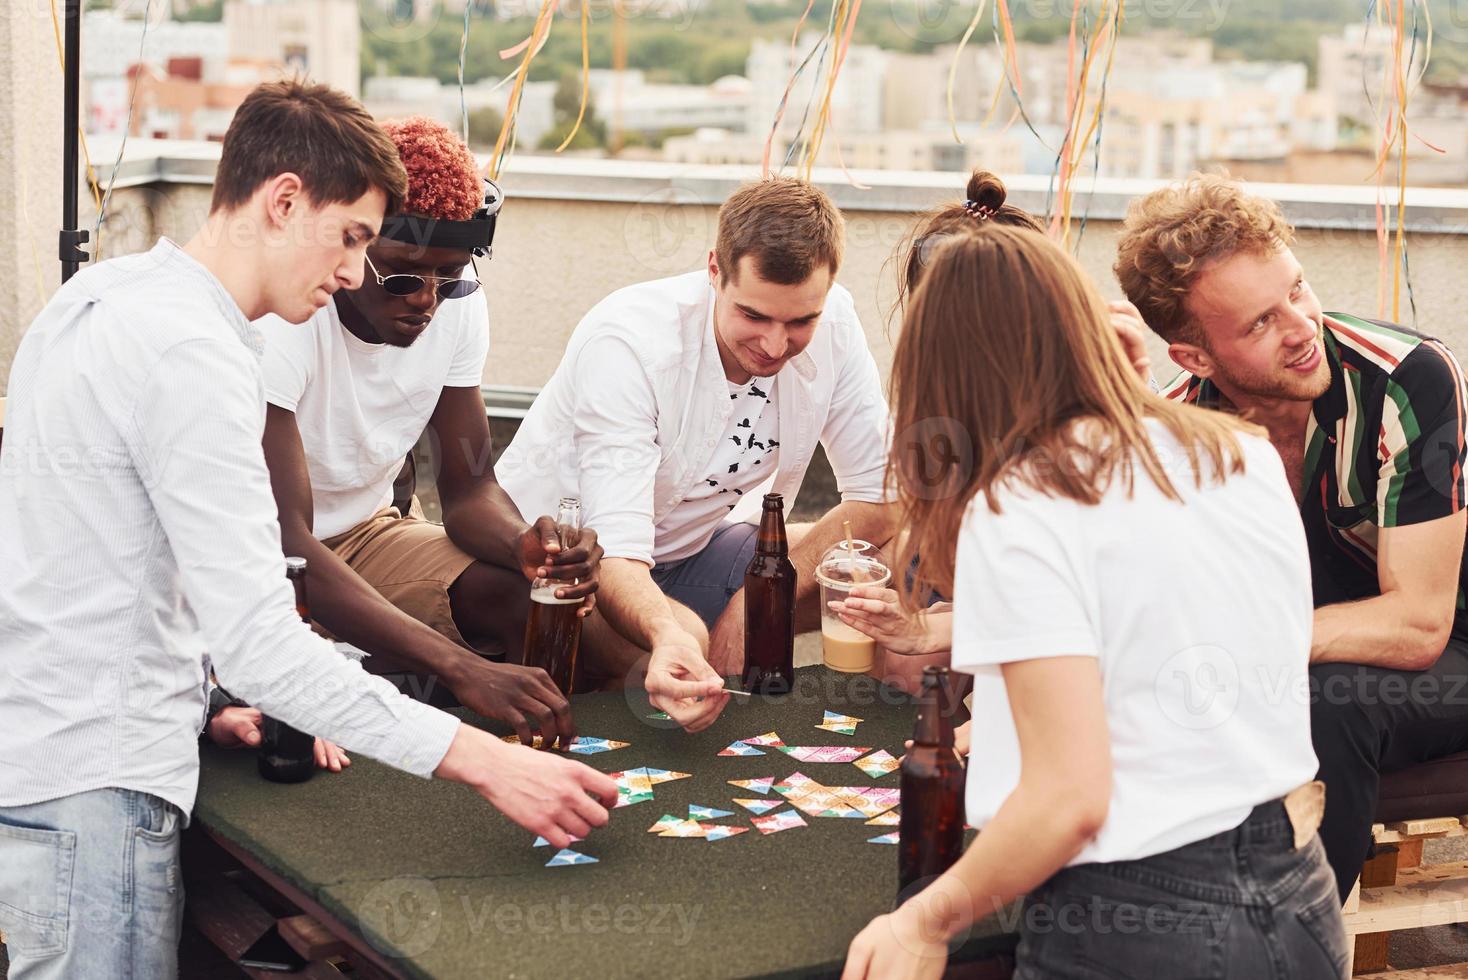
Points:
[(1242, 904), (1368, 720)]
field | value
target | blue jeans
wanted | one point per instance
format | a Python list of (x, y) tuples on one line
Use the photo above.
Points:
[(90, 886), (1242, 904), (706, 581)]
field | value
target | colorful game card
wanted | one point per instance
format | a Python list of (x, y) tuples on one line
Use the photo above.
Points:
[(840, 724), (760, 786), (707, 813), (723, 832), (824, 753), (878, 764), (773, 823)]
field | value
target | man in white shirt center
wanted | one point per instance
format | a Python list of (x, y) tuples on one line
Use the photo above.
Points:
[(678, 404)]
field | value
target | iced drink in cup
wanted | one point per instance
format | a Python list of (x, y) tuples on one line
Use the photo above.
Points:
[(845, 648)]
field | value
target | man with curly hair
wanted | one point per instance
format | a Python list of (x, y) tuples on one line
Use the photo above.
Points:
[(351, 392), (1369, 419)]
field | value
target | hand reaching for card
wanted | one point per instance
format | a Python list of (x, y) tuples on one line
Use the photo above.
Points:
[(682, 683), (547, 794)]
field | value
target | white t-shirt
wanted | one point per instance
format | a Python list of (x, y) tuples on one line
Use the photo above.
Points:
[(361, 407), (1200, 615), (747, 455)]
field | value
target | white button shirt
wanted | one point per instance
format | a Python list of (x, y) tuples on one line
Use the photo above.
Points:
[(634, 412), (137, 531)]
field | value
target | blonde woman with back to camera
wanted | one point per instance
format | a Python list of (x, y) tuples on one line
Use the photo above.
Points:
[(1132, 774)]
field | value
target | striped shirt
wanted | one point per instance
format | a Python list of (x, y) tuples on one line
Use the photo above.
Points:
[(1384, 448), (137, 532)]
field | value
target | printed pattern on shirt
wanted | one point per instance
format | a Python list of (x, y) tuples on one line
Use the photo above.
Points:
[(747, 454), (1385, 447)]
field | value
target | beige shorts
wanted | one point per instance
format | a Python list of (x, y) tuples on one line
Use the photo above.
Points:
[(410, 561)]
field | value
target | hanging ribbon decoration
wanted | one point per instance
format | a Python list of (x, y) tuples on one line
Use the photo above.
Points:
[(585, 75), (1400, 77), (1080, 130), (836, 42), (531, 46)]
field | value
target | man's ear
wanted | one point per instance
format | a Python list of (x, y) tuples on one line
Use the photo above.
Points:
[(1192, 359), (283, 196), (713, 269)]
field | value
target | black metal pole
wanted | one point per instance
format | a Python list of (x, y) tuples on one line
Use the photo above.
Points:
[(71, 238)]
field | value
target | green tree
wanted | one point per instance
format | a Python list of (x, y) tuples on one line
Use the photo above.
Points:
[(207, 11), (484, 127), (565, 105)]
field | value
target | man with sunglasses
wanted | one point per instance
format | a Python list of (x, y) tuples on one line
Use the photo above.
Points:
[(351, 392)]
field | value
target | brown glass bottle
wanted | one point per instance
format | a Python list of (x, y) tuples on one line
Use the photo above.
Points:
[(553, 626), (769, 606), (930, 829), (288, 755)]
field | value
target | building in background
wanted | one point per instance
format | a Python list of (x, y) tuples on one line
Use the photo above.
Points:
[(393, 97), (192, 76), (319, 39), (930, 149), (857, 100), (110, 45), (191, 101), (635, 105)]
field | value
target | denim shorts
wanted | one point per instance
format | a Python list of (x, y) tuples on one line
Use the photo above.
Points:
[(1244, 904), (706, 581)]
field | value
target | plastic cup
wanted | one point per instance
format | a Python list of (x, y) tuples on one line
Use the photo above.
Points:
[(843, 647)]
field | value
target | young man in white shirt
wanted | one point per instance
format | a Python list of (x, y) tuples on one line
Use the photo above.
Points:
[(138, 534), (350, 393), (679, 403)]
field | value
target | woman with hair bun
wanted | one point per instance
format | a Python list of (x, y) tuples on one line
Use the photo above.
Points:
[(911, 642), (984, 200)]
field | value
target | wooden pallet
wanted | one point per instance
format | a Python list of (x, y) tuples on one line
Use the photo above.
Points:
[(1396, 891)]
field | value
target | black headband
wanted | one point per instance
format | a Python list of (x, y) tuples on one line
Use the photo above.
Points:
[(476, 234)]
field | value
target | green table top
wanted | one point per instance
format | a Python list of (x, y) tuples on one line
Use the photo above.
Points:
[(446, 887)]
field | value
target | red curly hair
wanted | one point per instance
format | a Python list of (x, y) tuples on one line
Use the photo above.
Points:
[(443, 179)]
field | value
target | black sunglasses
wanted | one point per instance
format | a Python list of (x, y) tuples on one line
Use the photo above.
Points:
[(401, 284)]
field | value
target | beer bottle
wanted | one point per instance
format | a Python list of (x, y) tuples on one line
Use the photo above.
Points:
[(769, 606), (553, 628), (930, 829), (287, 755)]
